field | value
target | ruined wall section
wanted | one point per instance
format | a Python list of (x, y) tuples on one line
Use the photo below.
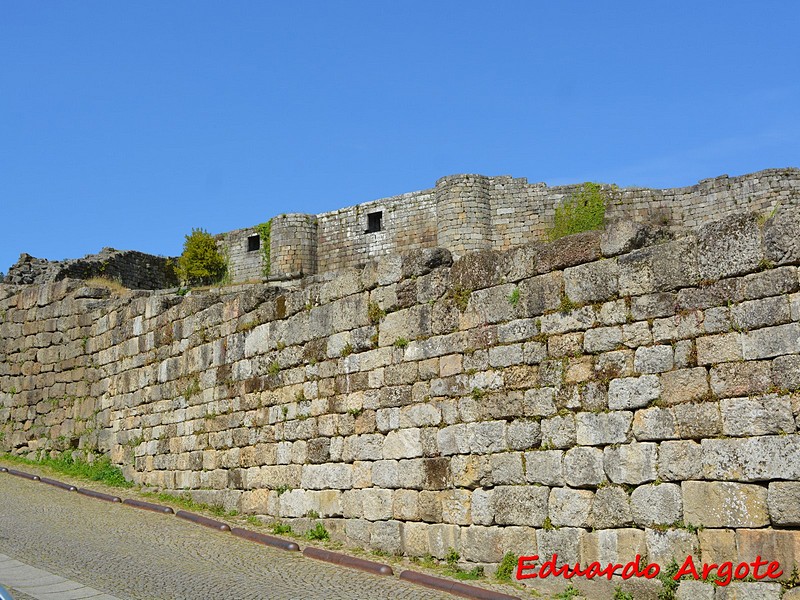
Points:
[(135, 270), (592, 396)]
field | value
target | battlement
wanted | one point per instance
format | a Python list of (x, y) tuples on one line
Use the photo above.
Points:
[(474, 212)]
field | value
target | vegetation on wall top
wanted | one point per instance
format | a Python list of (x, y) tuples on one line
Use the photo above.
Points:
[(584, 210)]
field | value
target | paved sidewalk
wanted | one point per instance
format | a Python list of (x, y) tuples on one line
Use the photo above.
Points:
[(129, 554), (29, 582)]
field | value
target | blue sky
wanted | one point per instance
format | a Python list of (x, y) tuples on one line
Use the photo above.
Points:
[(128, 124)]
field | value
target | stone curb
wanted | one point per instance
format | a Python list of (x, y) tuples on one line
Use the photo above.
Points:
[(201, 520), (344, 560), (99, 495), (454, 587), (23, 475), (58, 484), (348, 561), (267, 540), (148, 506)]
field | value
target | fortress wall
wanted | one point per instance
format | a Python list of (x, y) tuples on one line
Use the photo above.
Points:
[(243, 264), (408, 223), (588, 397)]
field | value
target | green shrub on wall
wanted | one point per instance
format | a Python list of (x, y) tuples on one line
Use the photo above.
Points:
[(585, 210), (201, 263), (264, 232)]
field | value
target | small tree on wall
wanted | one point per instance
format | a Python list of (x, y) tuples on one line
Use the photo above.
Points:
[(201, 263)]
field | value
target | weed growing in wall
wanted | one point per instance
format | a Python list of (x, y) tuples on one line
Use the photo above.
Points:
[(201, 263), (265, 232), (585, 210)]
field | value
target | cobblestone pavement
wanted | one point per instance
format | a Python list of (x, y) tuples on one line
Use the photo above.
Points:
[(139, 555)]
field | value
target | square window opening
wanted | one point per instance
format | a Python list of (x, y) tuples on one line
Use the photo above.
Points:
[(374, 221), (253, 243)]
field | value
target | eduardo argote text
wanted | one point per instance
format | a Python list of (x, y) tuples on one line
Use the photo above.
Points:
[(721, 574)]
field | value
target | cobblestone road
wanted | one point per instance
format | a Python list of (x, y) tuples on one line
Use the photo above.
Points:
[(138, 555)]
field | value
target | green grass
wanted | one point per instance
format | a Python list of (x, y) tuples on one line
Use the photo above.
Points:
[(318, 533), (100, 470), (506, 568)]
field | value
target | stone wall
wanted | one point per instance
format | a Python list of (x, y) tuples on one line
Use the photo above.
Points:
[(135, 270), (599, 396), (472, 212)]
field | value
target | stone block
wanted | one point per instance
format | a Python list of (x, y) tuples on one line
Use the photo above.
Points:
[(599, 429), (653, 359), (402, 443), (654, 423), (482, 510), (569, 251), (387, 536), (615, 546), (656, 504), (327, 476), (507, 468), (477, 270), (602, 339), (724, 504), (566, 542), (680, 460), (523, 435), (456, 506), (784, 503), (720, 348), (781, 235), (717, 320), (757, 416), (471, 471), (482, 544), (761, 313), (637, 334), (591, 282), (631, 463), (611, 508), (740, 379), (786, 372), (540, 402), (486, 437), (545, 467), (540, 294), (559, 432), (653, 306), (623, 235), (760, 458), (672, 544), (520, 505), (717, 545), (405, 505), (583, 467), (729, 247), (422, 261), (689, 589), (376, 504), (771, 341), (633, 392), (781, 545), (697, 421), (662, 268), (684, 385), (570, 508), (745, 590)]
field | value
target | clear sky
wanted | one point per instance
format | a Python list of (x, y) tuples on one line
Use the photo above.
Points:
[(127, 124)]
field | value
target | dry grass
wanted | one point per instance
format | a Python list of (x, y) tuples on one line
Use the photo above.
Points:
[(115, 287)]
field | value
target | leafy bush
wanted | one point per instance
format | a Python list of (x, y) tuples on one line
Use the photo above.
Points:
[(201, 263), (585, 210)]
